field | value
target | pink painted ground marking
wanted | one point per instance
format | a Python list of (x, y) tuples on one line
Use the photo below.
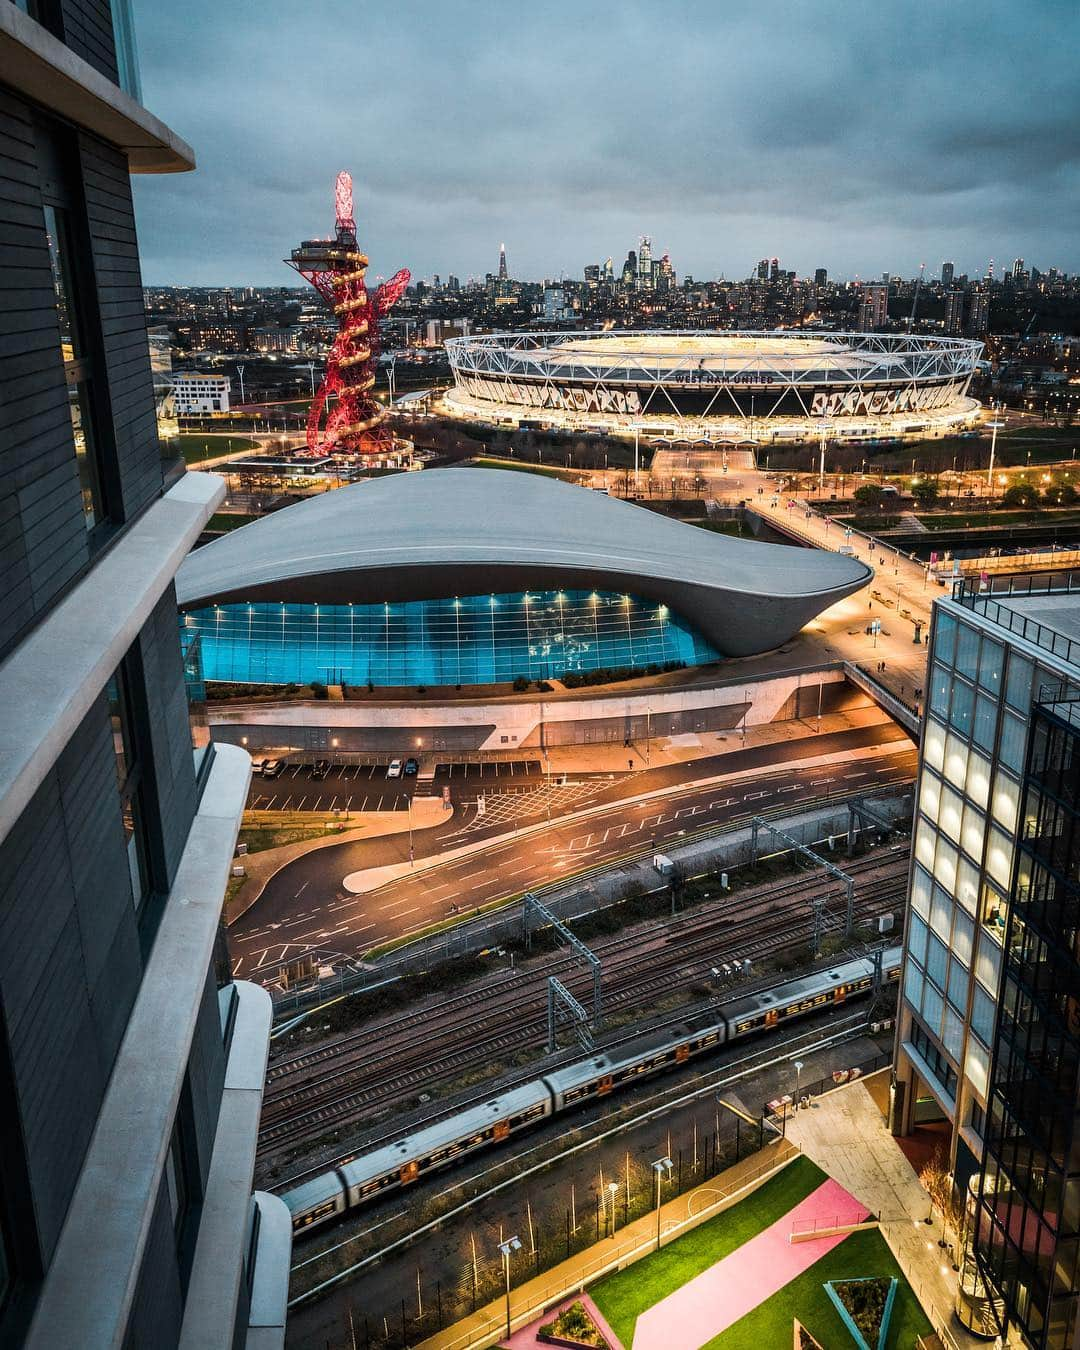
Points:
[(719, 1296), (526, 1338)]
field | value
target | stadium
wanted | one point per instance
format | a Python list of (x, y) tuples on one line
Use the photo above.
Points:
[(729, 388)]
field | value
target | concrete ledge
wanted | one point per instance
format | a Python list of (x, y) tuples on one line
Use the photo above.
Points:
[(44, 69), (87, 1294), (270, 1290), (49, 684), (217, 1272)]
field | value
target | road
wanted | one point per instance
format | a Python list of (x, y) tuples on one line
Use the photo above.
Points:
[(306, 905)]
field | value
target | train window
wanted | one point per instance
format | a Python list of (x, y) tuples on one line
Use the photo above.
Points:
[(319, 1212)]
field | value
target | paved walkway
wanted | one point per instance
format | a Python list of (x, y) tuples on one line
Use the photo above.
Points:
[(843, 626), (845, 1134), (714, 1300)]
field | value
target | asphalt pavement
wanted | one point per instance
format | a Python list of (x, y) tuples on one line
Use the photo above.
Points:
[(305, 906)]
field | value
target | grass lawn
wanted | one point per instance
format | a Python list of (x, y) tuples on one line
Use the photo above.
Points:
[(625, 1295), (259, 837), (197, 447), (859, 1254), (228, 520), (973, 519)]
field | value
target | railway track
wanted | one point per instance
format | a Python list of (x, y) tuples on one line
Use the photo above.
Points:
[(332, 1086)]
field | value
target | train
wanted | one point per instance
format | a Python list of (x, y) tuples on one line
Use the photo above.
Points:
[(325, 1198)]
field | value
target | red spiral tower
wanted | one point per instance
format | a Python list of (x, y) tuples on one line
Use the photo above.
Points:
[(345, 416)]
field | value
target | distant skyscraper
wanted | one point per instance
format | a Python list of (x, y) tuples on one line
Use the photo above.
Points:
[(1018, 268), (763, 270), (644, 264), (954, 313), (874, 312), (453, 285), (774, 268), (609, 271), (821, 277), (592, 274), (502, 262), (629, 269), (978, 321), (947, 270)]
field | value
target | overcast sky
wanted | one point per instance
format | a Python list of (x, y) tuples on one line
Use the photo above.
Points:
[(857, 135)]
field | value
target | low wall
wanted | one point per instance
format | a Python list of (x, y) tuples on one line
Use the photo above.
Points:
[(531, 723)]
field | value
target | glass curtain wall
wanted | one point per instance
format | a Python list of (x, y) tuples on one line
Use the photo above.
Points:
[(480, 639), (1028, 1220)]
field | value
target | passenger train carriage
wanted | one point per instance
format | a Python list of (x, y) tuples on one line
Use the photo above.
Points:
[(392, 1166)]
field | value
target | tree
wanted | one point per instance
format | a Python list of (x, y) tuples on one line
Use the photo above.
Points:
[(1021, 494), (925, 492), (869, 496), (1064, 495), (936, 1181)]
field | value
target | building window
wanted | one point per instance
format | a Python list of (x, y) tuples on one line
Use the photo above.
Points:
[(77, 369), (183, 1181), (935, 1061), (129, 784)]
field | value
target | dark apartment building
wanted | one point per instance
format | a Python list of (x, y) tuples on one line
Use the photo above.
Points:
[(131, 1065)]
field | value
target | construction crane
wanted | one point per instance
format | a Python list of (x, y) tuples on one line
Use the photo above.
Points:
[(915, 297)]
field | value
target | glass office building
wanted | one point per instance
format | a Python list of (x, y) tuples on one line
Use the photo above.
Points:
[(476, 639), (989, 1021)]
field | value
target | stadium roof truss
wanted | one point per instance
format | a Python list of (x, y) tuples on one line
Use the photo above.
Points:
[(860, 363)]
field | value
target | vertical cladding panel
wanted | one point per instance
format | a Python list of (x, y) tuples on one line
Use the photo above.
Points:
[(69, 961), (107, 189), (206, 1074), (170, 731), (157, 1308), (42, 539), (88, 31)]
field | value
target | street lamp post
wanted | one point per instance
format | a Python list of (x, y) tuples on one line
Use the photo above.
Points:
[(798, 1073), (511, 1245), (613, 1187), (662, 1168), (993, 445)]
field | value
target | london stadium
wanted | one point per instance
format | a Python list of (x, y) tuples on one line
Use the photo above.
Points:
[(731, 388)]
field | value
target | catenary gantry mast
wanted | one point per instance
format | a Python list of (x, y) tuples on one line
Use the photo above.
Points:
[(345, 416)]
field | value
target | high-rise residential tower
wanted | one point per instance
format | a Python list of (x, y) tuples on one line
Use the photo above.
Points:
[(131, 1064)]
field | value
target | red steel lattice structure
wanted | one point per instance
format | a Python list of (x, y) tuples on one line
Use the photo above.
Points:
[(345, 417)]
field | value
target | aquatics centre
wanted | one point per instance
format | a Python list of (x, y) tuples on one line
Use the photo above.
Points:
[(731, 388), (478, 576)]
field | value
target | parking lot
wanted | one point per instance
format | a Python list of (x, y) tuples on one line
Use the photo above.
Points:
[(510, 768), (346, 787), (365, 787)]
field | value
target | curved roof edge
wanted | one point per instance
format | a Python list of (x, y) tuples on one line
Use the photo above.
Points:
[(448, 532)]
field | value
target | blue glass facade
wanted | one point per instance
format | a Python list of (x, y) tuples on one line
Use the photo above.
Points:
[(477, 639)]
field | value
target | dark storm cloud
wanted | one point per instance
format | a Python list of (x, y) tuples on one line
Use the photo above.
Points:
[(852, 135)]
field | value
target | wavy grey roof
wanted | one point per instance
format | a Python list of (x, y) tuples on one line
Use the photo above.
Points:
[(467, 531)]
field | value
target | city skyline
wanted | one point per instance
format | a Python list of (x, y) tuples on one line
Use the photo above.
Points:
[(858, 141)]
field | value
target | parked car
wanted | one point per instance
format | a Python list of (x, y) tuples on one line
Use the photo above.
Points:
[(272, 768), (320, 768), (393, 769), (257, 765), (412, 766)]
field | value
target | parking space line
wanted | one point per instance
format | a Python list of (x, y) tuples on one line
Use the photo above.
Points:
[(332, 801), (303, 799), (378, 804), (348, 804), (363, 806)]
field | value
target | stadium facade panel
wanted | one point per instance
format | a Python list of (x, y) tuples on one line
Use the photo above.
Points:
[(734, 387), (469, 575)]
